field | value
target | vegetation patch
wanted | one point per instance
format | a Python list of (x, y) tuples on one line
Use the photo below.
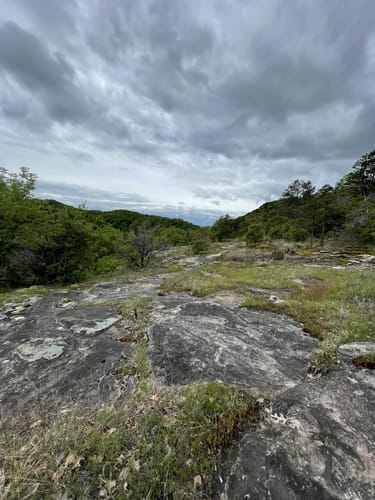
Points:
[(365, 361), (136, 314), (165, 443)]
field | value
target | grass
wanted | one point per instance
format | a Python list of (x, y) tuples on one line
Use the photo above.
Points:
[(136, 313), (165, 443), (336, 306), (237, 276)]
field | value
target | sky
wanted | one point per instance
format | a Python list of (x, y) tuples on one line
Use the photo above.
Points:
[(185, 108)]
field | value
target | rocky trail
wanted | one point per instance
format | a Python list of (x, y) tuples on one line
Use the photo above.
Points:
[(316, 438)]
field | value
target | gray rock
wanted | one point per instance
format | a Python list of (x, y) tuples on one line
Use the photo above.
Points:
[(44, 365), (47, 348), (317, 442), (202, 340), (346, 353)]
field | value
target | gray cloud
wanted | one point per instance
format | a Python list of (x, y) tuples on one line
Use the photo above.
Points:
[(219, 103), (50, 77)]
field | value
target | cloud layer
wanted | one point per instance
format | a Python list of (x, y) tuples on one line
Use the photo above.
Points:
[(214, 106)]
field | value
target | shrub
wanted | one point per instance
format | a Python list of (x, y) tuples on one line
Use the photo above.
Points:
[(199, 245), (254, 235), (278, 254), (297, 233)]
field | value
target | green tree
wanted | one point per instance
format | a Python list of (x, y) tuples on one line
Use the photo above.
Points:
[(16, 210), (254, 235), (223, 228), (298, 190), (54, 248), (173, 236), (361, 181)]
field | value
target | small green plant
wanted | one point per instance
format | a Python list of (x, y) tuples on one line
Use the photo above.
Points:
[(135, 311), (365, 361)]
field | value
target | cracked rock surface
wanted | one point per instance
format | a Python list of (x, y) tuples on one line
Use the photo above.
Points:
[(317, 442)]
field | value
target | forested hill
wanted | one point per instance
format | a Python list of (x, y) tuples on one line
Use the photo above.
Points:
[(125, 220), (345, 211), (45, 241)]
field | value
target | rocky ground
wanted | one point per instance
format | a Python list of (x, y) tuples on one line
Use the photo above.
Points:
[(317, 437)]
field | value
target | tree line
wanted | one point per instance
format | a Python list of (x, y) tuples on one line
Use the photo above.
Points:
[(345, 212)]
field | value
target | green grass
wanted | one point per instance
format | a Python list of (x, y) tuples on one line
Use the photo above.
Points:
[(236, 276), (165, 443), (168, 442), (336, 306)]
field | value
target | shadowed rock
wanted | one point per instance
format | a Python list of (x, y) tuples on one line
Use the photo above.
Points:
[(202, 340), (317, 442)]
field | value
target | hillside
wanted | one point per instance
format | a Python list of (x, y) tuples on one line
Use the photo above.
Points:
[(46, 242), (345, 212)]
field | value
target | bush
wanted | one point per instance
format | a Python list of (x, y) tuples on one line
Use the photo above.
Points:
[(199, 245), (297, 233), (254, 235), (278, 254), (108, 264)]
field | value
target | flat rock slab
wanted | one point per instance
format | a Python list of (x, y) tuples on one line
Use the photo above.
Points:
[(203, 340), (317, 442), (59, 352)]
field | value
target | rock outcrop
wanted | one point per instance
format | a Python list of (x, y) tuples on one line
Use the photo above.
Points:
[(316, 442), (203, 340), (316, 439)]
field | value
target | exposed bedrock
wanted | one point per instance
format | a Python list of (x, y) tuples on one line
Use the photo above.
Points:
[(317, 442), (203, 340)]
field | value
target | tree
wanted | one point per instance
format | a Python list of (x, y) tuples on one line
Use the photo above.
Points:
[(223, 228), (326, 197), (15, 211), (357, 192), (173, 235), (254, 235), (298, 190), (55, 247), (140, 246)]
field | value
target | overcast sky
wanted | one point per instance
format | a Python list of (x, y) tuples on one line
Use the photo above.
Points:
[(188, 108)]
